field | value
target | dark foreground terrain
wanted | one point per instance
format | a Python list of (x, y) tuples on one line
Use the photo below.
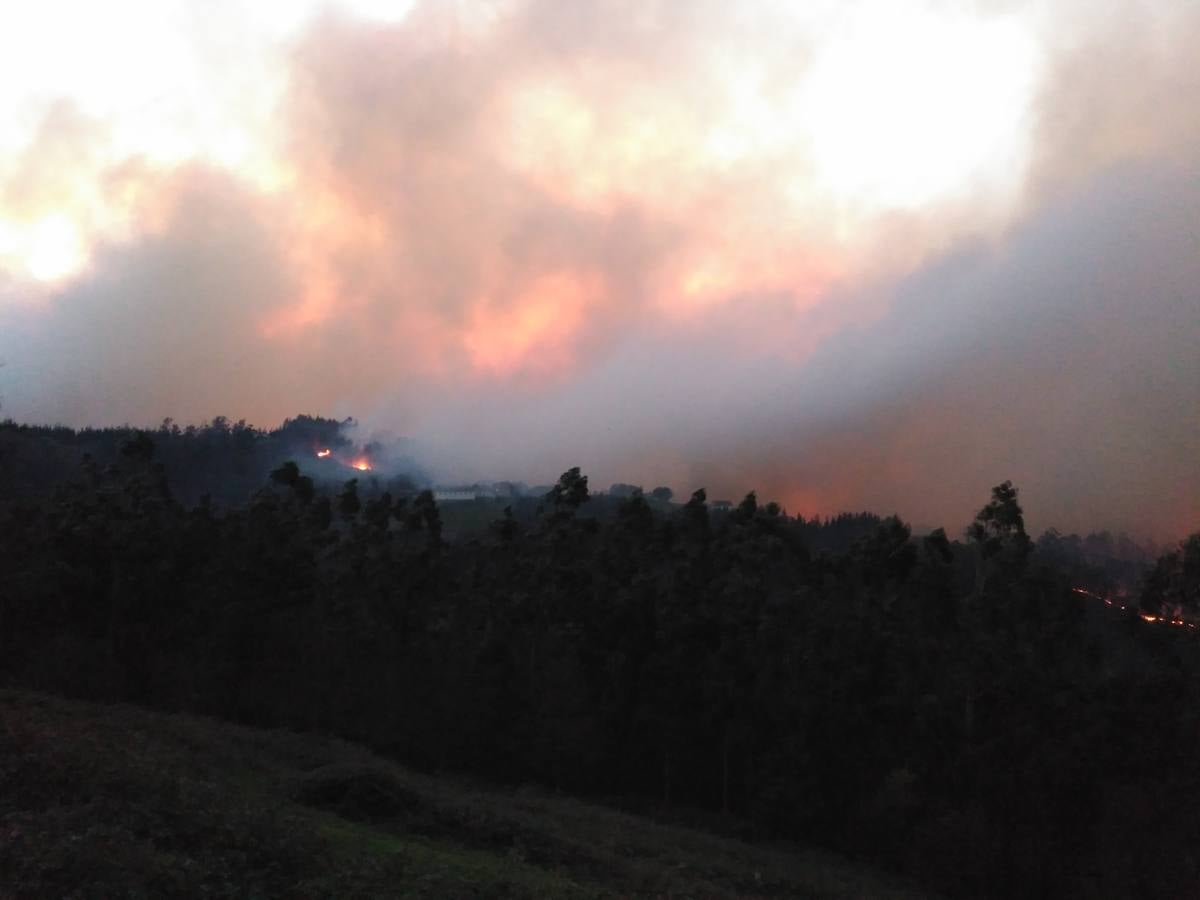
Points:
[(116, 802)]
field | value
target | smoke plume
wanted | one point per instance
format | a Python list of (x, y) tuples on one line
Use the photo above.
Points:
[(534, 235)]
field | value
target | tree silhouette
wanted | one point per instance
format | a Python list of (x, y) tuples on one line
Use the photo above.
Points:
[(1000, 526), (348, 502), (571, 491)]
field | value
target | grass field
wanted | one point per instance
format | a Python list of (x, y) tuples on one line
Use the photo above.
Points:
[(117, 802)]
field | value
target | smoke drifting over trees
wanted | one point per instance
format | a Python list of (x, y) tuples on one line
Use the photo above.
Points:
[(532, 239), (822, 257)]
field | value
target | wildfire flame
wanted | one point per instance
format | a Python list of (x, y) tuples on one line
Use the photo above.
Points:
[(1144, 616), (361, 463)]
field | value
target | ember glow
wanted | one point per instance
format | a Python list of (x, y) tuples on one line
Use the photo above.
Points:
[(1177, 621), (865, 254), (360, 462)]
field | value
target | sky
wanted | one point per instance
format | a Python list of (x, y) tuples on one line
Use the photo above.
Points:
[(854, 255)]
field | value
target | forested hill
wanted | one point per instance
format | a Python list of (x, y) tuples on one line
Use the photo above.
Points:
[(224, 460), (954, 711)]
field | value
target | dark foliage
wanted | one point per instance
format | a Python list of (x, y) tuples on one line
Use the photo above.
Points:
[(950, 709), (225, 461), (356, 792), (108, 802)]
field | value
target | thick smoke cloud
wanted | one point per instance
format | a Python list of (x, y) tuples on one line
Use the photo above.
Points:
[(535, 239)]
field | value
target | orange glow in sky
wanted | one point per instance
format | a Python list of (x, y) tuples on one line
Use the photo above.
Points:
[(762, 237)]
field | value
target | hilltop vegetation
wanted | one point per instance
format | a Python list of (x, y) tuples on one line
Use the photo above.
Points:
[(223, 461), (950, 709)]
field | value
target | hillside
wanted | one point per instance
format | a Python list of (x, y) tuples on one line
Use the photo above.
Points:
[(114, 801)]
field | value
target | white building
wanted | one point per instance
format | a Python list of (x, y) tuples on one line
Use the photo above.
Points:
[(452, 495)]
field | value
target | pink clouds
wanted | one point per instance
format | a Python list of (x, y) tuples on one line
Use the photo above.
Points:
[(592, 234)]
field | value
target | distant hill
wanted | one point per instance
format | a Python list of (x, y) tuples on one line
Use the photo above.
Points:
[(222, 460), (114, 802)]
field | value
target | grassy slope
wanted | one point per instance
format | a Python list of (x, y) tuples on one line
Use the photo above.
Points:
[(100, 801)]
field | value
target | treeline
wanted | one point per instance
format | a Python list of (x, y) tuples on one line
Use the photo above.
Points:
[(950, 709), (223, 460)]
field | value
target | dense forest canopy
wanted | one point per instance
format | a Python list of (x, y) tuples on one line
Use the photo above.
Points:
[(994, 715)]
